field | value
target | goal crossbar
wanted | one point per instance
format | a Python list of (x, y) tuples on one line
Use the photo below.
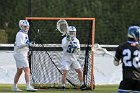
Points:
[(92, 34)]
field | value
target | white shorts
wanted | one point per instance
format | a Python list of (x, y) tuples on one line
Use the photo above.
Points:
[(66, 65), (21, 61)]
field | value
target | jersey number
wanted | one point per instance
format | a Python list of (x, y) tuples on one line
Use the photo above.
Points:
[(127, 58), (70, 49)]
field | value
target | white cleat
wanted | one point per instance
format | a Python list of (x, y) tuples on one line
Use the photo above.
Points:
[(15, 89), (31, 89)]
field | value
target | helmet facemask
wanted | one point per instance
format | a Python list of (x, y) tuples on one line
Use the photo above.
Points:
[(24, 25), (72, 34), (72, 31), (25, 28)]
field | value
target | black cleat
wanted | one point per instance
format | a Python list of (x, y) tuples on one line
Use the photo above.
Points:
[(63, 88), (83, 87)]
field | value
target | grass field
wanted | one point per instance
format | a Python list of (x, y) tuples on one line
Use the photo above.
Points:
[(6, 88)]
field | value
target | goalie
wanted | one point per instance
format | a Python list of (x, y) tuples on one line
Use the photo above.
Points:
[(71, 47)]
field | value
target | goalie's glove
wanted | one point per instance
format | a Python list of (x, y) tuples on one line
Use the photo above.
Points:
[(69, 38), (77, 50), (73, 45)]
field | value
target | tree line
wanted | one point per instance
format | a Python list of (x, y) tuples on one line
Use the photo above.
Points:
[(113, 17)]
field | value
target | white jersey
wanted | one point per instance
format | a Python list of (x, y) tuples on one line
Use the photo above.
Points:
[(21, 50), (68, 52), (21, 43)]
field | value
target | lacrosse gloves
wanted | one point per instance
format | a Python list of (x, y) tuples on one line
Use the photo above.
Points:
[(68, 38), (28, 43)]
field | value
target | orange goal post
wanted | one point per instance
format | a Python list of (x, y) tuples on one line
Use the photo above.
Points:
[(45, 61)]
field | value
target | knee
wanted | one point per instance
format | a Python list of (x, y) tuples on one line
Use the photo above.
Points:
[(64, 73), (27, 71), (79, 71), (19, 71)]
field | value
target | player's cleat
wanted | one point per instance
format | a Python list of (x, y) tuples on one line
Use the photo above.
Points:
[(63, 87), (31, 89), (83, 87), (16, 89)]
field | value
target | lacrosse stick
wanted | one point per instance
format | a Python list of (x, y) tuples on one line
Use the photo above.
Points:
[(101, 51), (62, 26)]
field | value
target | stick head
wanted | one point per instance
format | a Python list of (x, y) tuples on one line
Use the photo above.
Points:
[(62, 26), (101, 51)]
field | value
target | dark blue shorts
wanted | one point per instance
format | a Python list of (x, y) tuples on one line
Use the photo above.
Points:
[(130, 84)]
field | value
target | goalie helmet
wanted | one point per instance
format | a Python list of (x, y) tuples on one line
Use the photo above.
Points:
[(23, 23), (72, 31), (134, 33)]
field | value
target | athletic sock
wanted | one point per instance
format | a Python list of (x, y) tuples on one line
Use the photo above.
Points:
[(28, 84), (81, 83), (14, 85)]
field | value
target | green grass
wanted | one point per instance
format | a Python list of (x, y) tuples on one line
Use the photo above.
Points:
[(6, 88)]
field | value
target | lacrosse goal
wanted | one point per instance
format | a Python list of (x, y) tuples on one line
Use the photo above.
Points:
[(45, 61)]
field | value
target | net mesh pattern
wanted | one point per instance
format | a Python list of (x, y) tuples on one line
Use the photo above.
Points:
[(45, 61)]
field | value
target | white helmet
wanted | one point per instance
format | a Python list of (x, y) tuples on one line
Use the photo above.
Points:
[(72, 29), (23, 23)]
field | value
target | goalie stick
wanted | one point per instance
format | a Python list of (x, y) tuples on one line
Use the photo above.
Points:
[(62, 26), (37, 33)]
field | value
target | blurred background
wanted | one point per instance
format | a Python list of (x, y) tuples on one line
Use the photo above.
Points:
[(113, 17)]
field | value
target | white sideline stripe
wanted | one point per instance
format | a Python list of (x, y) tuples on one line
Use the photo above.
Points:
[(53, 45), (6, 45), (109, 45)]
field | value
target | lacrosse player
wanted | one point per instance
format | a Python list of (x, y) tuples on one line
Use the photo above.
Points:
[(71, 47), (21, 49), (128, 54)]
